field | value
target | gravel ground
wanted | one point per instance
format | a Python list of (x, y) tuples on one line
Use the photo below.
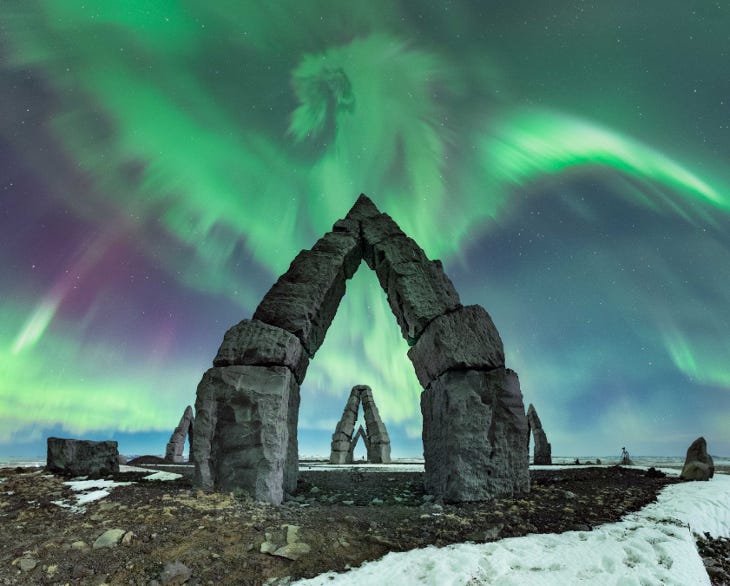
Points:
[(169, 533)]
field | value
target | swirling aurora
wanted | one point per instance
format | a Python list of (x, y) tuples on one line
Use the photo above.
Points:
[(162, 162)]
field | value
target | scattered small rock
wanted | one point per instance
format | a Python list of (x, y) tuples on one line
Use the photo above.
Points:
[(110, 538), (27, 564), (293, 551), (128, 538), (175, 573)]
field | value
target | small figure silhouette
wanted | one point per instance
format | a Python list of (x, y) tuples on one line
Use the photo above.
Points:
[(625, 460)]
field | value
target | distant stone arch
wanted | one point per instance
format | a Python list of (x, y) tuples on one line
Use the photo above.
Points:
[(376, 439), (176, 445), (474, 421), (541, 453)]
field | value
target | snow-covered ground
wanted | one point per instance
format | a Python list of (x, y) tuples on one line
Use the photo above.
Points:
[(88, 491), (652, 546)]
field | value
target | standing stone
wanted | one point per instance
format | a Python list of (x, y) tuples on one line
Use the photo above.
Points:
[(378, 444), (176, 445), (376, 438), (542, 450), (698, 465), (72, 457), (474, 430), (242, 425)]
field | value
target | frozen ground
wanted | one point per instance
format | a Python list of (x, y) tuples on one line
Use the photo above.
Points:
[(88, 491), (653, 546)]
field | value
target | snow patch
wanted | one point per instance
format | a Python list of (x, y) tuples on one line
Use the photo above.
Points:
[(161, 475), (89, 491), (653, 546)]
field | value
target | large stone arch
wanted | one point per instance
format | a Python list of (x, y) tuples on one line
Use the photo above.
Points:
[(247, 405)]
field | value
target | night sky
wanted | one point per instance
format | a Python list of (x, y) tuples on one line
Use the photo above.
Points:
[(161, 163)]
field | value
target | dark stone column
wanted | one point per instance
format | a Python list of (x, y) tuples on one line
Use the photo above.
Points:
[(242, 430), (473, 435)]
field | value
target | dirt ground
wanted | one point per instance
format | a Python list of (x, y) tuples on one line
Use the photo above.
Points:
[(170, 533)]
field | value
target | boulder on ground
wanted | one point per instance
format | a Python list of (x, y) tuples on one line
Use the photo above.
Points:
[(72, 457), (698, 465)]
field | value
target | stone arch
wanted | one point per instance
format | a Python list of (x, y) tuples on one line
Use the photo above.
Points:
[(176, 445), (542, 449), (353, 444), (376, 439), (474, 421)]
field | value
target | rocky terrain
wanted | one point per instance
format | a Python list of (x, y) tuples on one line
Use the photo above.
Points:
[(165, 532)]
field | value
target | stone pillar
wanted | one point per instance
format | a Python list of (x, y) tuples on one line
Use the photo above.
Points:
[(378, 444), (473, 437), (474, 424), (176, 445), (342, 437), (242, 430), (698, 464), (542, 452)]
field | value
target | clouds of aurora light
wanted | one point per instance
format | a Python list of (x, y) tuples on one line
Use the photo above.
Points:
[(228, 141)]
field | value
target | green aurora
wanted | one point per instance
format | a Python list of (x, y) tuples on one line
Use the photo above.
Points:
[(183, 153)]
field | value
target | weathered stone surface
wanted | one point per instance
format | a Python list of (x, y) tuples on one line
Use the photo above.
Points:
[(27, 564), (474, 429), (340, 445), (417, 293), (697, 471), (362, 208), (542, 452), (175, 573), (344, 245), (74, 457), (242, 424), (176, 445), (339, 457), (346, 425), (462, 339), (291, 463), (392, 251), (110, 538), (379, 453), (375, 230), (255, 343), (305, 298), (698, 465)]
